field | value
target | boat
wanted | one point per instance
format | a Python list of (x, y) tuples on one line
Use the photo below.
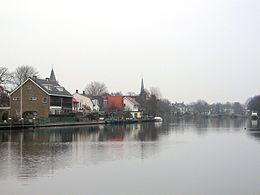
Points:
[(158, 119), (254, 116)]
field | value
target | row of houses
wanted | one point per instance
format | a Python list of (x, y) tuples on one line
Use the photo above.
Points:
[(180, 109), (45, 97)]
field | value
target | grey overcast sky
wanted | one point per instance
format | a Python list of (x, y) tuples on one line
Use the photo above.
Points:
[(190, 49)]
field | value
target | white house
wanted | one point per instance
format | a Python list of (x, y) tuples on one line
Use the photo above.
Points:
[(132, 106), (84, 103)]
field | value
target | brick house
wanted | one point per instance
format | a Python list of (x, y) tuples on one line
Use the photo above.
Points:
[(43, 97)]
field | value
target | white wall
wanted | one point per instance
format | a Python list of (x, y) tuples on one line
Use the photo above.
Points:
[(129, 106), (83, 101)]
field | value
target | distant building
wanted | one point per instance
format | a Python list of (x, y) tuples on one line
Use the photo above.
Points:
[(43, 97), (179, 109)]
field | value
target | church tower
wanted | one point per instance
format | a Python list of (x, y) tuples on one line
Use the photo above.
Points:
[(142, 86), (52, 76)]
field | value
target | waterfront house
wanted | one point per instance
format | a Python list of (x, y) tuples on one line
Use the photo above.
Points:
[(42, 97), (132, 106), (122, 103), (84, 103)]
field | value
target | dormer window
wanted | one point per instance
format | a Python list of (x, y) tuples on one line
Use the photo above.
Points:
[(60, 88), (48, 87)]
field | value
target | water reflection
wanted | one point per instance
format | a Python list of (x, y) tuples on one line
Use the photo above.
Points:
[(28, 155), (253, 129), (31, 154)]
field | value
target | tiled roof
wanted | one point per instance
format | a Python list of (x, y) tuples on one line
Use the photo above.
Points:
[(52, 87)]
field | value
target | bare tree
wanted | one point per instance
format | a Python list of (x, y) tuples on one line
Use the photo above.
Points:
[(96, 88), (201, 107), (4, 99), (22, 73), (4, 75), (254, 104), (156, 92)]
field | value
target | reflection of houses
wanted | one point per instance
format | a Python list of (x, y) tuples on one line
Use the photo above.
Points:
[(82, 103), (40, 96)]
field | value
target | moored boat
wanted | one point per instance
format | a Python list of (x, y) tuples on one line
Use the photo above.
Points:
[(254, 116), (158, 119)]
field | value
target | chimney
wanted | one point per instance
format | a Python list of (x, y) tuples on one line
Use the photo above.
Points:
[(34, 77), (84, 93), (77, 91), (47, 79)]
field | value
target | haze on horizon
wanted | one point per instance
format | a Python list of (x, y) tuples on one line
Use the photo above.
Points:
[(189, 49)]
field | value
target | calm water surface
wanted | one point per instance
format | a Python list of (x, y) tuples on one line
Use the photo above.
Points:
[(195, 157)]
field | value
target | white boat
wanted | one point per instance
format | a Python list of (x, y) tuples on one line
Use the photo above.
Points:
[(158, 119), (254, 116)]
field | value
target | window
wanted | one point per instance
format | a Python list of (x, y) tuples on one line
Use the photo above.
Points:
[(33, 98), (47, 86), (45, 100), (15, 98), (59, 88)]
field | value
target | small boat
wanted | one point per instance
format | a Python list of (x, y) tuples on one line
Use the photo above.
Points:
[(254, 116), (158, 119)]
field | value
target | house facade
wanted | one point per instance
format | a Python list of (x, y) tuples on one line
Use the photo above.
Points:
[(132, 106), (84, 103), (43, 97)]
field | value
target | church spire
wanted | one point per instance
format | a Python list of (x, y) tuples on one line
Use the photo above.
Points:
[(52, 76), (142, 86)]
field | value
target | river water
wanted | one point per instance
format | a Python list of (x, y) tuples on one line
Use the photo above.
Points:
[(193, 157)]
